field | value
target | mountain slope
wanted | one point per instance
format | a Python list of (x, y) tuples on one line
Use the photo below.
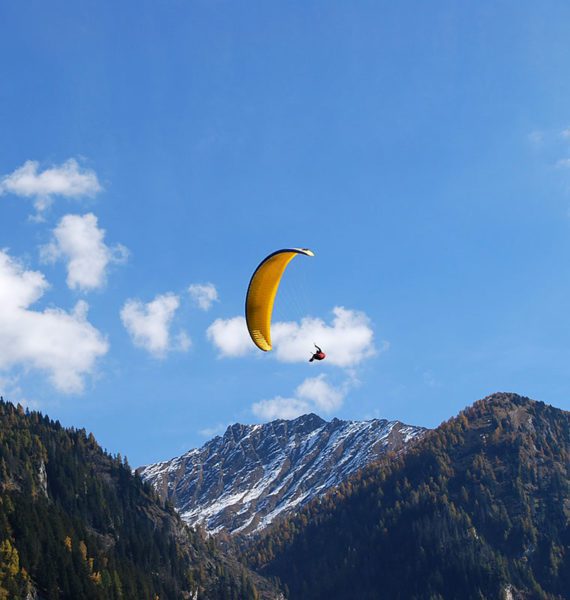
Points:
[(242, 481), (480, 508), (75, 523)]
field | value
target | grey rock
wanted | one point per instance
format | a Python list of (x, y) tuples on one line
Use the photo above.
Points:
[(241, 481)]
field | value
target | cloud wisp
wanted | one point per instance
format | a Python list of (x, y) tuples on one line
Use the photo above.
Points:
[(149, 325), (79, 241), (563, 163), (68, 180), (536, 137), (210, 432), (203, 295), (314, 394), (348, 339), (62, 344), (10, 390)]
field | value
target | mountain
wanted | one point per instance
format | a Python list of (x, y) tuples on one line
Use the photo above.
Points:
[(77, 524), (242, 481), (479, 508)]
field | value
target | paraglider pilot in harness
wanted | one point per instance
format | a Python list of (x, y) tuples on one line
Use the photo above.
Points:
[(318, 355)]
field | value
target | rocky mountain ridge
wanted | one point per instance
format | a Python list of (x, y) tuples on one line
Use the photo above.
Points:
[(242, 481)]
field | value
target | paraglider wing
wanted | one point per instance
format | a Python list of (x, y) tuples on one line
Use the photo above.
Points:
[(262, 291)]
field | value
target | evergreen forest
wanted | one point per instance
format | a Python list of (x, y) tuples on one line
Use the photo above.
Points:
[(479, 508), (76, 523)]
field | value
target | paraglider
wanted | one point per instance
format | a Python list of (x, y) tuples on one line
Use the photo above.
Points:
[(262, 291), (318, 355)]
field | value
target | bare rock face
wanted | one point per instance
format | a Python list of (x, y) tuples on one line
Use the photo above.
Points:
[(241, 481), (42, 479)]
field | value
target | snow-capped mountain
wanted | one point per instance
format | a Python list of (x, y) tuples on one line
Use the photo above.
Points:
[(243, 480)]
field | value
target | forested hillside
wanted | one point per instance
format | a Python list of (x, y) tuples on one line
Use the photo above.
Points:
[(76, 523), (480, 508)]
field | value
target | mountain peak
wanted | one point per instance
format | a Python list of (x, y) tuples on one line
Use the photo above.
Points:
[(310, 419), (510, 408), (477, 507), (503, 399), (254, 473), (302, 424)]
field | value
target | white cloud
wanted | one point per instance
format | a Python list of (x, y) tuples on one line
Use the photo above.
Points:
[(321, 394), (68, 180), (563, 163), (78, 240), (62, 344), (565, 133), (230, 337), (315, 394), (203, 294), (149, 324), (347, 340), (280, 408)]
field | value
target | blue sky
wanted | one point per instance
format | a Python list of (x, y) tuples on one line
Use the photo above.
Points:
[(422, 152)]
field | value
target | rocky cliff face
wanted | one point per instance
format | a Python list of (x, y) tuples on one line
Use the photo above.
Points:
[(242, 481)]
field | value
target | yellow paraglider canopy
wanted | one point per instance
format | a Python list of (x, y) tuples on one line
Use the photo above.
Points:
[(262, 291)]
